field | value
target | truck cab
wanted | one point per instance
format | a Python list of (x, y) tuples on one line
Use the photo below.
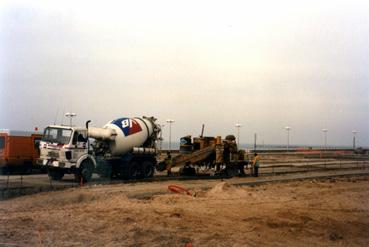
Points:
[(64, 149)]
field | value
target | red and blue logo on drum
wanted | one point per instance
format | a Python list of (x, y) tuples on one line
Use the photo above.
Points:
[(129, 126)]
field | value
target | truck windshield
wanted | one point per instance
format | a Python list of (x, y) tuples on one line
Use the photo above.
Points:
[(57, 135)]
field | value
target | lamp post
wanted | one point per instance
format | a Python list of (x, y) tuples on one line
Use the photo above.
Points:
[(354, 132), (238, 126), (170, 121), (287, 128), (70, 116), (325, 138), (255, 137)]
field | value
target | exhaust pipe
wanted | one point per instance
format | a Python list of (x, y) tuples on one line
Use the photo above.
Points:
[(88, 137)]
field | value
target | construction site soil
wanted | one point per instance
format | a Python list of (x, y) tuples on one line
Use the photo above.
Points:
[(299, 213)]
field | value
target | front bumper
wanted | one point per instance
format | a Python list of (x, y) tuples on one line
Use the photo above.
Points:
[(55, 163)]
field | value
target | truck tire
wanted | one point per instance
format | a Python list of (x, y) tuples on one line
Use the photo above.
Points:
[(133, 170), (148, 169), (56, 174), (85, 171)]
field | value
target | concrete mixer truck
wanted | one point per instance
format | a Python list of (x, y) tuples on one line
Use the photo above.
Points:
[(123, 148)]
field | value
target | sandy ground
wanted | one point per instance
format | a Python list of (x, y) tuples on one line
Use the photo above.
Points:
[(321, 213)]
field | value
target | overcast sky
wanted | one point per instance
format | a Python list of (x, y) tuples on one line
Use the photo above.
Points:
[(264, 64)]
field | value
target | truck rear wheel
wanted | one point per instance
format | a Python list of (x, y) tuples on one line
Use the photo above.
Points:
[(148, 169), (133, 170), (85, 172), (56, 174)]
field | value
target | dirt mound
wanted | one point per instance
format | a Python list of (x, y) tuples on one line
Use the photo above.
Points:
[(220, 188), (227, 191)]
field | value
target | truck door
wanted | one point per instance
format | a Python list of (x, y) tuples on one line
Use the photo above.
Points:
[(80, 143)]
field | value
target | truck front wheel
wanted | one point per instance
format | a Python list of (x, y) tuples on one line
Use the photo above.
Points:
[(85, 171)]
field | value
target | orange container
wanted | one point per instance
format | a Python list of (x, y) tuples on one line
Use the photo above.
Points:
[(19, 150)]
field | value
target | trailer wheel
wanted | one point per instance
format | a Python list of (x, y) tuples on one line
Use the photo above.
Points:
[(56, 174), (148, 169), (86, 170)]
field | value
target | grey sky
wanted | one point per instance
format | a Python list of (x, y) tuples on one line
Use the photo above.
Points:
[(265, 64)]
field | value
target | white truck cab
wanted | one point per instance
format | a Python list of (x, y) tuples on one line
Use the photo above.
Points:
[(64, 149)]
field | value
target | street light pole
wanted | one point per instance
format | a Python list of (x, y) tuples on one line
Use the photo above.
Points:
[(238, 126), (325, 138), (255, 137), (170, 121), (354, 132), (288, 136), (70, 116)]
